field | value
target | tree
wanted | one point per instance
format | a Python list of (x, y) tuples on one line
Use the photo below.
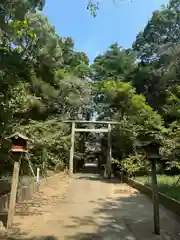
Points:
[(119, 101), (157, 76), (42, 81), (161, 33), (115, 63)]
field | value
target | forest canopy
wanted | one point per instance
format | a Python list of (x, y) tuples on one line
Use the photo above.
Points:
[(44, 80)]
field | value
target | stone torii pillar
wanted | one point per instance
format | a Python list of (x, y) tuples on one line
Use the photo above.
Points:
[(109, 157), (108, 167)]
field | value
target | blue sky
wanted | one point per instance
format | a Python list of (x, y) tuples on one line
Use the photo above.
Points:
[(114, 23)]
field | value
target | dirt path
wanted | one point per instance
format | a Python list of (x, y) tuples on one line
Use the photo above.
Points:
[(86, 208)]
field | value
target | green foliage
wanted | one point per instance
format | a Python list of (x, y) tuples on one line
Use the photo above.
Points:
[(157, 76), (134, 164), (93, 7), (171, 149), (160, 34), (150, 103), (119, 100), (49, 142), (43, 80), (116, 64)]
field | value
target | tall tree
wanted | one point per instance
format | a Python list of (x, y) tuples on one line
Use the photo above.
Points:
[(158, 46), (161, 33), (115, 63)]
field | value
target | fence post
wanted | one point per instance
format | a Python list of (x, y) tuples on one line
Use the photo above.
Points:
[(71, 164), (37, 176), (155, 198)]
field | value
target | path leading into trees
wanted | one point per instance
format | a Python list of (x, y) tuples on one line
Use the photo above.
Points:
[(89, 208)]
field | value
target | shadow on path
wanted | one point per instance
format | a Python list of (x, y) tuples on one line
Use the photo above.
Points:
[(97, 177), (114, 221), (33, 238), (124, 216)]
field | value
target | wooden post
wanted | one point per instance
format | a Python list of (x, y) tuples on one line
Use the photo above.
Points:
[(14, 187), (72, 149), (109, 152), (37, 176), (155, 198)]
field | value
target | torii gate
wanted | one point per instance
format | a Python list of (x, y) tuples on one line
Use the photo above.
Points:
[(108, 169)]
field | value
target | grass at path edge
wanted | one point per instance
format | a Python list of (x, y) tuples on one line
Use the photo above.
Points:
[(166, 185)]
